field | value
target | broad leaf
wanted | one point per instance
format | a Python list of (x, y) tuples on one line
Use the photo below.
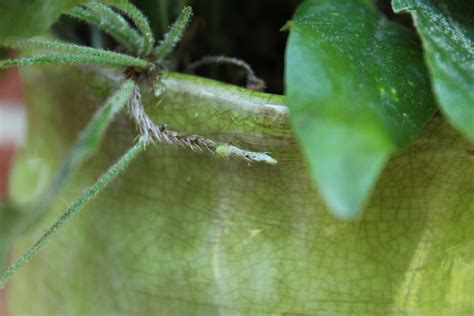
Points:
[(447, 31), (185, 233), (357, 91)]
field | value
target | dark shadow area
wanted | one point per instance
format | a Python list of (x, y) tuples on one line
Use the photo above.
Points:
[(245, 29)]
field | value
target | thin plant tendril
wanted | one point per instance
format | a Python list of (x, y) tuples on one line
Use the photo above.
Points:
[(253, 82)]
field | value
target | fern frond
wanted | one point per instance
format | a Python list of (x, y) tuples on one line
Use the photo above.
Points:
[(139, 20), (74, 208), (174, 35), (88, 141), (109, 57), (67, 59), (112, 23)]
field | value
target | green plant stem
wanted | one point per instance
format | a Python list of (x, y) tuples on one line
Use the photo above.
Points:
[(110, 22), (67, 59), (139, 20), (87, 142), (13, 223), (107, 56), (174, 35), (75, 207)]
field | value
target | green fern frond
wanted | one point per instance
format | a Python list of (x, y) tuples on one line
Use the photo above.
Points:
[(139, 20), (112, 23), (174, 35), (108, 57), (75, 207), (70, 59), (88, 141)]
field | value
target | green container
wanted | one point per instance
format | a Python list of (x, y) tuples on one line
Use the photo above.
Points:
[(185, 233)]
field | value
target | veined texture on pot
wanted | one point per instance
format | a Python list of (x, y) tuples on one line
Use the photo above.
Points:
[(184, 232)]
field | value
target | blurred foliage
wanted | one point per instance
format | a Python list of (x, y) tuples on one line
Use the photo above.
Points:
[(30, 17)]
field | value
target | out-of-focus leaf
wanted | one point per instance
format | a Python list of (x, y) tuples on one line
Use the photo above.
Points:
[(22, 19), (27, 18), (447, 31), (357, 91)]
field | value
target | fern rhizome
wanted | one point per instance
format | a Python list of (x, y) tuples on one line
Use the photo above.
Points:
[(143, 60)]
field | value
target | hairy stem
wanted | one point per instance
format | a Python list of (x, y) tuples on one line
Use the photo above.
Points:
[(139, 20), (174, 35), (69, 59), (112, 23), (75, 207), (88, 142), (107, 56)]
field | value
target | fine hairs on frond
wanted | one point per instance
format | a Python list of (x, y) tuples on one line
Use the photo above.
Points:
[(69, 59), (112, 23), (253, 82), (108, 57), (139, 20), (86, 145), (74, 208), (88, 141), (174, 35), (153, 132)]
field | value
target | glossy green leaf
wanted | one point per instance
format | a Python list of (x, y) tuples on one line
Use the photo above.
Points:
[(447, 31), (357, 91), (186, 233)]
